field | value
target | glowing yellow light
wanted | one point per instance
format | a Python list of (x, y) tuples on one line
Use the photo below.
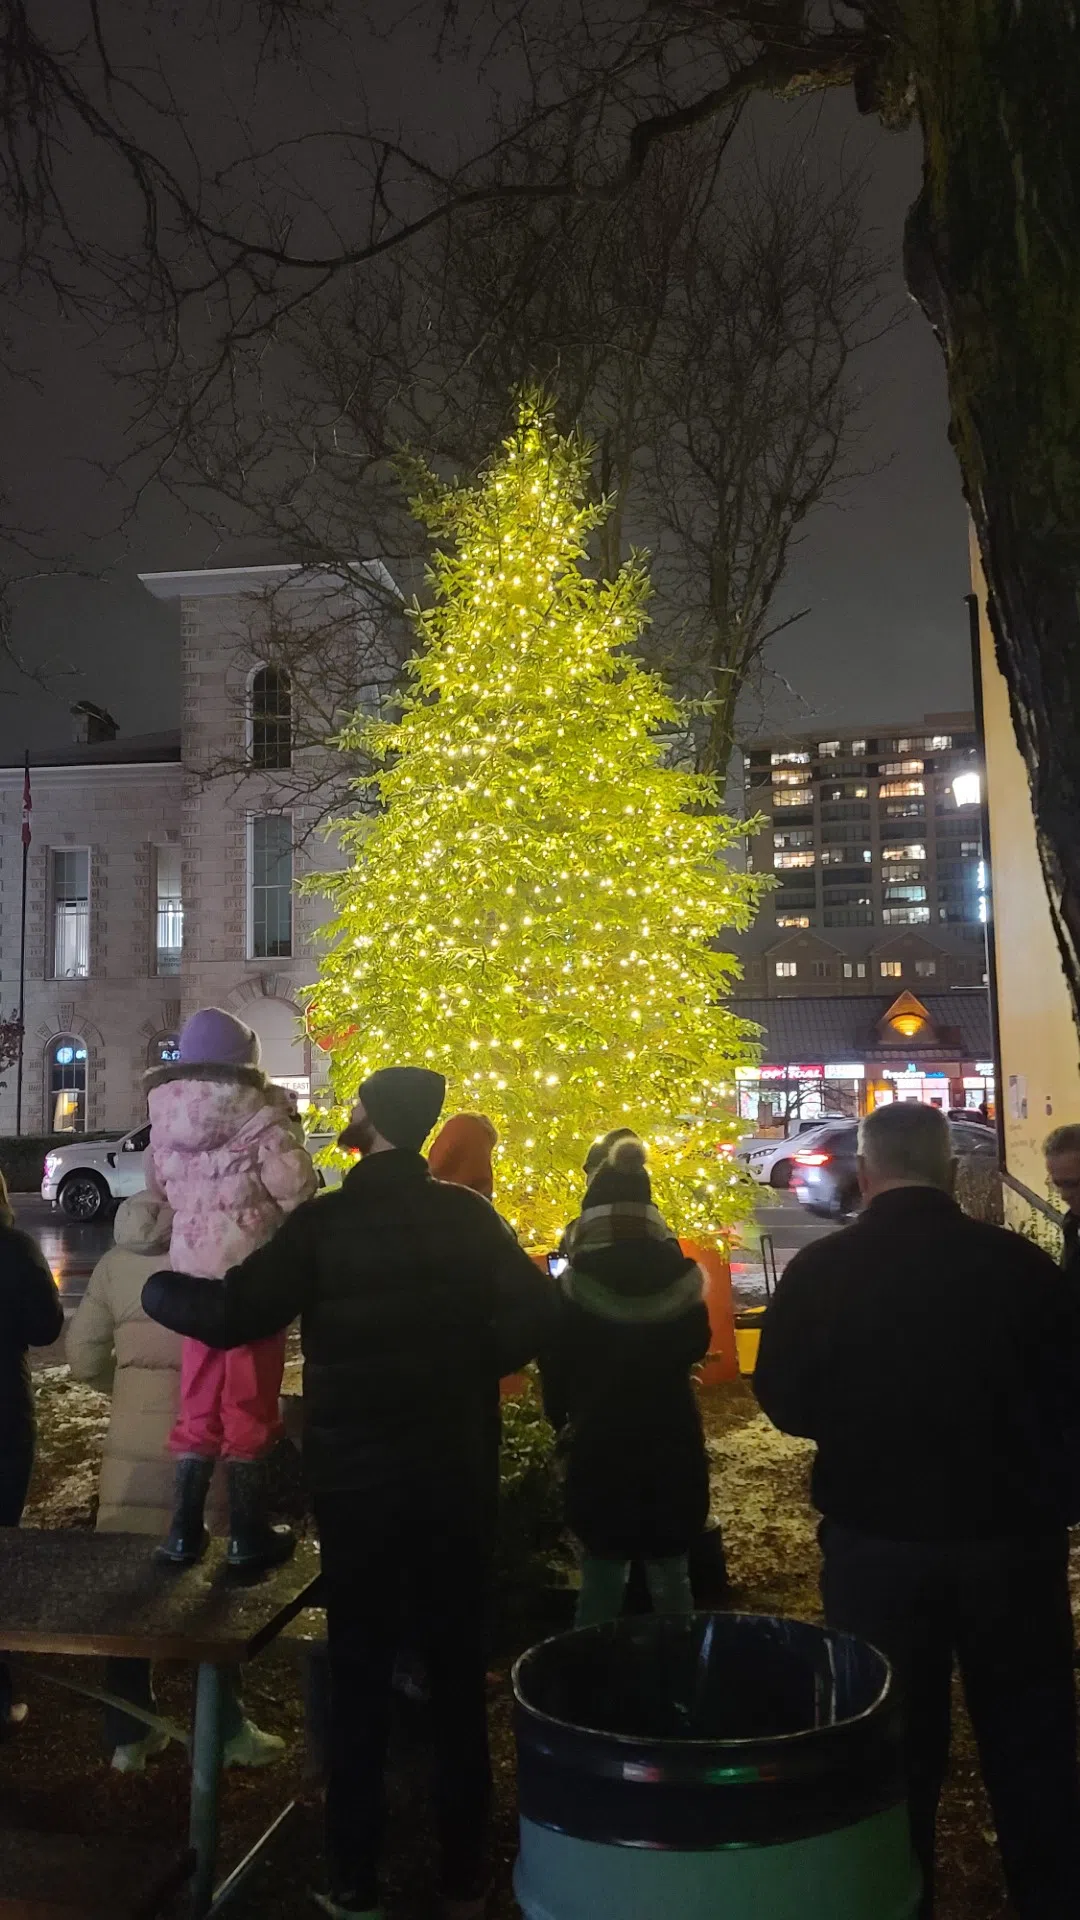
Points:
[(527, 763)]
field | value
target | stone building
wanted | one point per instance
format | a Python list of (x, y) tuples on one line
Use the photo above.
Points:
[(161, 871)]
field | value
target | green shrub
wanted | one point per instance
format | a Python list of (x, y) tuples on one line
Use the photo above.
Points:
[(21, 1156), (531, 1545)]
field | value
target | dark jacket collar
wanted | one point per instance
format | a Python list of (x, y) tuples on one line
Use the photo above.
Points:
[(398, 1167), (902, 1201)]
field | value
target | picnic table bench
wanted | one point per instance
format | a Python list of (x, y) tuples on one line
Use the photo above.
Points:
[(66, 1592)]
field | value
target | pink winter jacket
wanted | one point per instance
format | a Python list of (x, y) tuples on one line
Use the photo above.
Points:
[(228, 1156)]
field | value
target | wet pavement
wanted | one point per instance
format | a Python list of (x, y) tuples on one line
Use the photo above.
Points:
[(789, 1226), (72, 1249)]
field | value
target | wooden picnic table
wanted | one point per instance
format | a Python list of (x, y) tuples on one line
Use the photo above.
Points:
[(67, 1592)]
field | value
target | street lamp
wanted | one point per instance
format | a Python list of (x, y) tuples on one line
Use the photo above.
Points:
[(967, 789)]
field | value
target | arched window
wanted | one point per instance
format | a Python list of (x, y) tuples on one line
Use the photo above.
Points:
[(65, 1085), (163, 1050), (271, 718)]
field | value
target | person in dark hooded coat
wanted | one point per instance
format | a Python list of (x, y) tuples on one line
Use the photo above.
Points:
[(617, 1387)]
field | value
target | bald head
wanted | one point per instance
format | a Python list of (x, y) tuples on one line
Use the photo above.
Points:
[(904, 1145)]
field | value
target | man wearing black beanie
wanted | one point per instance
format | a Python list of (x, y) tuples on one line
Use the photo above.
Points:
[(414, 1298)]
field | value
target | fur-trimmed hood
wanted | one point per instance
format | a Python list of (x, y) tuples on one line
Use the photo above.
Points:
[(205, 1070)]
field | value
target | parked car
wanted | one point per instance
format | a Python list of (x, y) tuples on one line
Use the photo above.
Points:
[(91, 1177), (770, 1161), (824, 1178)]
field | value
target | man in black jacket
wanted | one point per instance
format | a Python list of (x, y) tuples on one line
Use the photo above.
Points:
[(414, 1299), (936, 1363)]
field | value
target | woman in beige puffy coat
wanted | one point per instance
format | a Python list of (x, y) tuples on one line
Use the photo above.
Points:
[(112, 1345)]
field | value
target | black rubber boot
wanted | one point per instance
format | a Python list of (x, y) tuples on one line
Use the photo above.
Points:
[(187, 1538), (253, 1542)]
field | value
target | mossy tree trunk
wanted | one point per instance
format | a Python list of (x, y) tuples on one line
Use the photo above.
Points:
[(994, 257)]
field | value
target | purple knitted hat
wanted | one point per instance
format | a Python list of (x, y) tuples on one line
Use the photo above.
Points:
[(213, 1037)]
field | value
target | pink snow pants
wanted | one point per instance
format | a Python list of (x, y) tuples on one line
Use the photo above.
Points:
[(229, 1401)]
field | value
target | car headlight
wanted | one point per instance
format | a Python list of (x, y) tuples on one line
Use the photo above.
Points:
[(52, 1161)]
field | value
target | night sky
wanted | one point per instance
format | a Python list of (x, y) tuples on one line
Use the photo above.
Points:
[(883, 572)]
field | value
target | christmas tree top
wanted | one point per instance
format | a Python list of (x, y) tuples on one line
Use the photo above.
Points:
[(533, 910)]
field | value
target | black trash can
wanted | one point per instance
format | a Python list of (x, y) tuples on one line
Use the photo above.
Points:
[(715, 1767)]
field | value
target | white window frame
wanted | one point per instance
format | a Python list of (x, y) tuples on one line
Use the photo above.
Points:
[(786, 969), (168, 973), (266, 666), (249, 942), (53, 904)]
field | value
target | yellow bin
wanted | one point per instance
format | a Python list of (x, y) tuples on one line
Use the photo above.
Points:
[(748, 1337)]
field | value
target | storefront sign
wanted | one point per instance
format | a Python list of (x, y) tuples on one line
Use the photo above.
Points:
[(853, 1070)]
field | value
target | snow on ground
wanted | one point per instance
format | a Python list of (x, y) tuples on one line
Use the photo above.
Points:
[(760, 1479), (71, 1421)]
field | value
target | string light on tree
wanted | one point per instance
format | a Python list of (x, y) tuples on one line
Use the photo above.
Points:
[(534, 908)]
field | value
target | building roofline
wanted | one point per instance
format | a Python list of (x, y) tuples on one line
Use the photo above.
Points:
[(963, 719), (202, 583)]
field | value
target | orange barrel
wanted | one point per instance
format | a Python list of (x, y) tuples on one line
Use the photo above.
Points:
[(723, 1360)]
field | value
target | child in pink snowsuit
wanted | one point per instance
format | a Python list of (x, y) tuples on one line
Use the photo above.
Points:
[(227, 1153)]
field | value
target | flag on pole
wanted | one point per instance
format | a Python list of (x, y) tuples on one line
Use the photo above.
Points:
[(27, 804)]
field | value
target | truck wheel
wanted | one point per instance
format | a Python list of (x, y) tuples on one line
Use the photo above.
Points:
[(83, 1196)]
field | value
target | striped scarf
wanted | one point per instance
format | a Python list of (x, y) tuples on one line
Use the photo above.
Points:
[(626, 1265)]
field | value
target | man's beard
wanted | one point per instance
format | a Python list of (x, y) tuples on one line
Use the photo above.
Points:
[(358, 1137)]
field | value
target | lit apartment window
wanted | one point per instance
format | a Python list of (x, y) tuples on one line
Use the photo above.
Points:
[(794, 837), (858, 747), (905, 916), (916, 892), (937, 742), (854, 969), (828, 749), (65, 1085), (891, 969), (790, 797), (904, 809), (270, 886), (71, 914), (787, 777), (271, 718), (898, 873), (170, 911), (793, 859), (789, 760), (793, 919), (915, 851), (970, 849), (786, 969), (900, 789), (926, 969), (860, 793), (901, 766)]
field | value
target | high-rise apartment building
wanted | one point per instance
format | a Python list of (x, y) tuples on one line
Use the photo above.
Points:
[(874, 840)]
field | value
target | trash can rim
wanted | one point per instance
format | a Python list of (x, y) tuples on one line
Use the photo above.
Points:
[(674, 1740)]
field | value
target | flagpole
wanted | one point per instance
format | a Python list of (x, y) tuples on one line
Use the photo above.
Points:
[(22, 944)]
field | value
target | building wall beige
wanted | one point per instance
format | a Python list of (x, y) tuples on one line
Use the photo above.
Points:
[(1040, 1050)]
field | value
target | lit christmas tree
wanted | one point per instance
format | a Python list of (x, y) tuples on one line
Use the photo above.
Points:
[(534, 908)]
